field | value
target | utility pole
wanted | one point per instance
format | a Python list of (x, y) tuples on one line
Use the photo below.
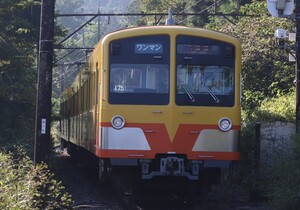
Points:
[(297, 20), (44, 86)]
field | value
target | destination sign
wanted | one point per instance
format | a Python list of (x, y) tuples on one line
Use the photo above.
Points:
[(148, 48), (198, 49)]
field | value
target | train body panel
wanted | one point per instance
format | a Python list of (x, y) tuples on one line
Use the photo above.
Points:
[(168, 130), (163, 98)]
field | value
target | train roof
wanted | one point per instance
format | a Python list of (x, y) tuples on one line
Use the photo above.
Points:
[(166, 29)]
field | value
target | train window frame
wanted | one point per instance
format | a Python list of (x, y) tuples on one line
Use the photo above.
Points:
[(123, 59)]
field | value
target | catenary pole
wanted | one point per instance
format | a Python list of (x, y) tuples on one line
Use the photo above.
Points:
[(297, 19), (44, 83)]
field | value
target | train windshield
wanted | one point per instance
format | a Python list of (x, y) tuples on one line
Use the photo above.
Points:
[(130, 82), (204, 85), (139, 70), (205, 72)]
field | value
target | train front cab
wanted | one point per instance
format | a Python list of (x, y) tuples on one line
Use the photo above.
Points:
[(170, 102)]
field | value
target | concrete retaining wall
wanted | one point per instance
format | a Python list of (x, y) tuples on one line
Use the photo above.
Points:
[(275, 138)]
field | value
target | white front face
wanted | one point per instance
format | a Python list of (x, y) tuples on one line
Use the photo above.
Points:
[(124, 139), (216, 141)]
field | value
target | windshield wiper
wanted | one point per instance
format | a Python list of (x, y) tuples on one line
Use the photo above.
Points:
[(211, 93), (188, 92)]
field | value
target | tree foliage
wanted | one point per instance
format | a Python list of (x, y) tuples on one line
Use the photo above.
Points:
[(18, 51), (201, 8), (18, 38)]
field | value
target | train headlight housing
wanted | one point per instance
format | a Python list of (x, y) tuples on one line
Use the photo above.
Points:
[(225, 124), (117, 121)]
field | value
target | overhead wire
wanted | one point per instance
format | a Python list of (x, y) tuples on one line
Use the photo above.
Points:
[(200, 11), (59, 79), (70, 71), (190, 6), (182, 12), (186, 9)]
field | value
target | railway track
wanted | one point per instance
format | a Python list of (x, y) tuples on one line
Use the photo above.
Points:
[(87, 193)]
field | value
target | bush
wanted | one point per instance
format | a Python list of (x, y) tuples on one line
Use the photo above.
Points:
[(281, 108), (25, 186)]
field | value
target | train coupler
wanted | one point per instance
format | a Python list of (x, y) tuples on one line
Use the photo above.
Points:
[(170, 166)]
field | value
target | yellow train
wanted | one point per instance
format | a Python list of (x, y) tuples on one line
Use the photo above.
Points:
[(163, 101)]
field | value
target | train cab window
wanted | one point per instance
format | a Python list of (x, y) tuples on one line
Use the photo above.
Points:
[(205, 72), (205, 85), (139, 70), (143, 83)]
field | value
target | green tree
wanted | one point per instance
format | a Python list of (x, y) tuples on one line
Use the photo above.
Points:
[(18, 50), (66, 7), (156, 6)]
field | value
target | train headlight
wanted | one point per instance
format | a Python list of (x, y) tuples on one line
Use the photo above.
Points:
[(117, 121), (225, 124)]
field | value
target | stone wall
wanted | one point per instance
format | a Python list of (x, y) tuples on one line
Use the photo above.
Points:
[(275, 138)]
